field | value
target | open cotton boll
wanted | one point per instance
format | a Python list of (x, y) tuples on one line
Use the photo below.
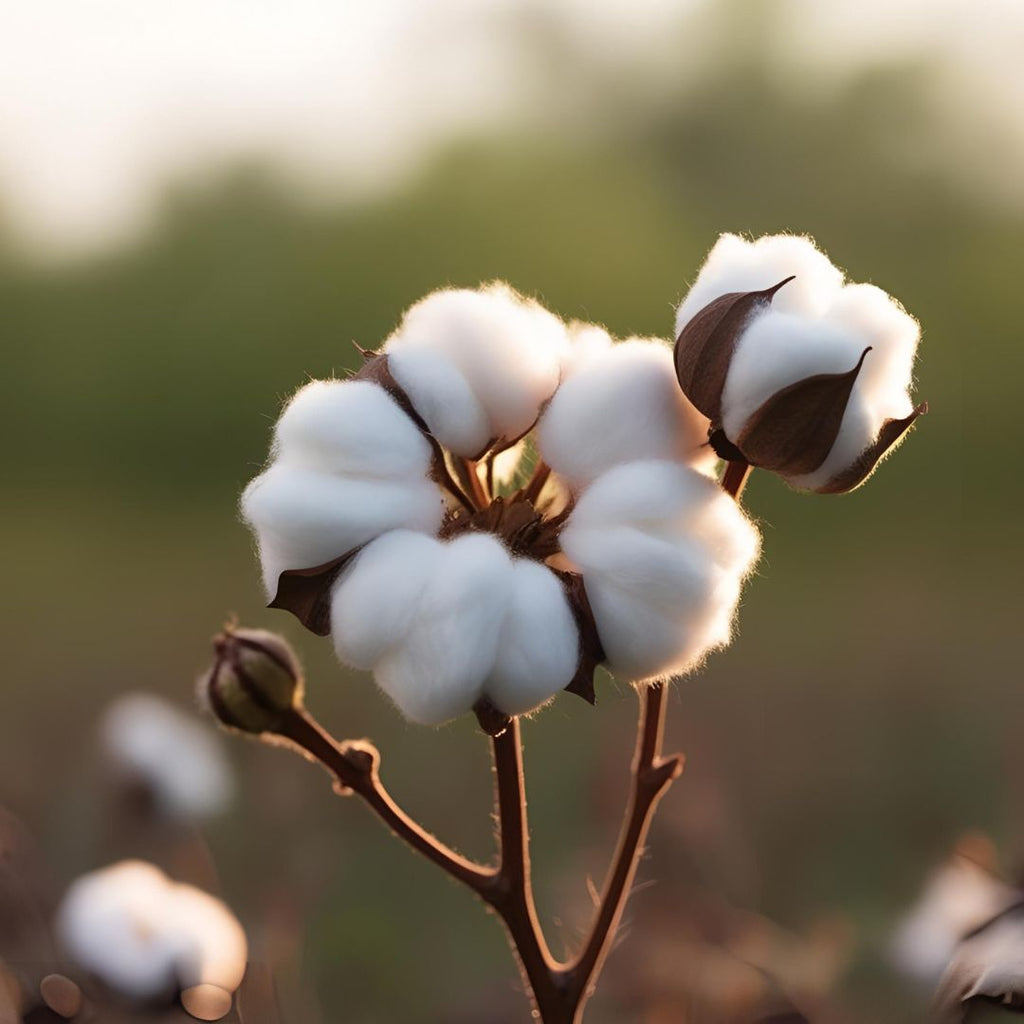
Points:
[(145, 936), (350, 428), (438, 669), (621, 403), (176, 756), (662, 550), (376, 598), (735, 264), (538, 648), (304, 518), (508, 349)]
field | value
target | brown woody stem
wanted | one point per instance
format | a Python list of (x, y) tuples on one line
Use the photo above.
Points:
[(652, 775), (734, 479)]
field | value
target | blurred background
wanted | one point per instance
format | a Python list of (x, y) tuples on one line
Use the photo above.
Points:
[(203, 205)]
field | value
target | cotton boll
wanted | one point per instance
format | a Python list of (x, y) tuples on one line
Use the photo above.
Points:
[(538, 648), (508, 349), (145, 936), (737, 265), (178, 758), (438, 671), (621, 403), (442, 396), (662, 551), (376, 598), (779, 349), (350, 428), (305, 519)]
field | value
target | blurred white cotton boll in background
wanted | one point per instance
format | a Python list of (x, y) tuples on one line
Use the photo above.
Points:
[(146, 936), (178, 758), (663, 551), (619, 403), (460, 353), (958, 896)]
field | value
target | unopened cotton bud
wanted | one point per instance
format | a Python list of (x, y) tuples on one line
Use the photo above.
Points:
[(255, 682)]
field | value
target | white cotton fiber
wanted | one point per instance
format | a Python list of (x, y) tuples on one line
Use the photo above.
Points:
[(538, 648), (305, 518), (621, 403), (439, 669), (350, 428), (178, 757), (441, 395), (663, 551), (509, 351), (376, 599), (779, 349), (145, 935), (735, 264)]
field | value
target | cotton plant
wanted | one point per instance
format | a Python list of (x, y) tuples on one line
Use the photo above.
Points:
[(498, 503)]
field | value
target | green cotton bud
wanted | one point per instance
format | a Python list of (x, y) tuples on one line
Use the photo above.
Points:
[(255, 682)]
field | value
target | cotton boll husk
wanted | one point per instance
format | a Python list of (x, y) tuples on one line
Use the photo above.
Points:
[(662, 551), (441, 395), (350, 428), (506, 463), (508, 349), (538, 647), (179, 758), (303, 518), (437, 672), (376, 598), (737, 265), (620, 404)]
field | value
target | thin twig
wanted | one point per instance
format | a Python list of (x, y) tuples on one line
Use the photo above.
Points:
[(355, 766), (652, 775), (734, 479)]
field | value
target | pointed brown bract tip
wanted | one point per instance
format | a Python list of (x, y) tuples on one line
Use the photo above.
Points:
[(366, 353), (888, 437), (794, 430), (591, 652), (306, 593), (705, 345)]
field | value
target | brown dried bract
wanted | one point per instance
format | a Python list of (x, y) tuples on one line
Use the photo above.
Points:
[(591, 651), (705, 346), (306, 593), (891, 432), (794, 430)]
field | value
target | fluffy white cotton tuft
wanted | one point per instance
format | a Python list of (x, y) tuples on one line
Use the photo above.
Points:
[(738, 265), (538, 648), (350, 428), (444, 623), (816, 324), (620, 403), (145, 935), (377, 598), (304, 518), (177, 757), (663, 552), (461, 353)]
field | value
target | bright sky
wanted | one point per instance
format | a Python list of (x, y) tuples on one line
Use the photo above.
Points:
[(102, 100)]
